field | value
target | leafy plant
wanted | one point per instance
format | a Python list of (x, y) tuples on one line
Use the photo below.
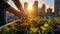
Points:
[(12, 30), (33, 30), (46, 28), (5, 30)]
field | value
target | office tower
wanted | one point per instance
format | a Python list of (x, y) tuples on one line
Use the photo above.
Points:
[(26, 7), (11, 17), (49, 12), (35, 8), (39, 11), (33, 11), (2, 17), (57, 6), (43, 8)]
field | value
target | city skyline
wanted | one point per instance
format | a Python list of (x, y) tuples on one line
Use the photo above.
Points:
[(49, 4)]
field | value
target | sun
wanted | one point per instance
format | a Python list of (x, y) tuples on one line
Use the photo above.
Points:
[(29, 7)]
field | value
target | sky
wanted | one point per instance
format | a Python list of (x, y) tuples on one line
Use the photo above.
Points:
[(48, 3)]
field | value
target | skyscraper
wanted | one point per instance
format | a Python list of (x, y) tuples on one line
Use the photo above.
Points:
[(49, 12), (39, 11), (43, 8), (35, 8), (57, 6), (26, 7), (2, 17)]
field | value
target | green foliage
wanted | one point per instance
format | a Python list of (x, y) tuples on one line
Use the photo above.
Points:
[(29, 21), (45, 25), (12, 30), (33, 30), (37, 19), (58, 26), (5, 30), (46, 28)]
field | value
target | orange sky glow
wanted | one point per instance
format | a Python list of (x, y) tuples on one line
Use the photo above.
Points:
[(31, 2)]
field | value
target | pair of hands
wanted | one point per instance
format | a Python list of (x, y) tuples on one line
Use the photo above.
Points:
[(23, 14)]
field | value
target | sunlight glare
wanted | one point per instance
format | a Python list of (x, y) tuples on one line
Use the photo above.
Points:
[(29, 7)]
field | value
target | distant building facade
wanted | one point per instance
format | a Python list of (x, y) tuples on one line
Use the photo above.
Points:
[(43, 8), (49, 12), (2, 17), (57, 6), (39, 11), (26, 7), (11, 17), (35, 8)]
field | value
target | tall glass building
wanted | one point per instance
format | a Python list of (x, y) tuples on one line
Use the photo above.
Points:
[(2, 17), (57, 6), (35, 8)]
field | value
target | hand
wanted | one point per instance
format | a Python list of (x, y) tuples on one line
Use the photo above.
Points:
[(23, 16), (20, 8), (10, 9)]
